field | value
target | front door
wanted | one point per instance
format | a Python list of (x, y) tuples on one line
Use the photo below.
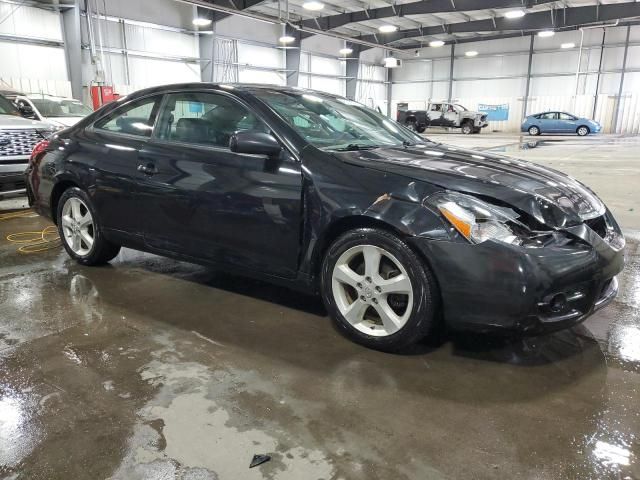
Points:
[(202, 200), (548, 122)]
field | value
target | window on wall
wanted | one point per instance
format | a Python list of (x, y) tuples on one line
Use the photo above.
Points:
[(136, 118), (205, 119)]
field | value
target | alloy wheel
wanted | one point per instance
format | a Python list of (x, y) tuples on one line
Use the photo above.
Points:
[(534, 131), (582, 131), (372, 290), (77, 226)]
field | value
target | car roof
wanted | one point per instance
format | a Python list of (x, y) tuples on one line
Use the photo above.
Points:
[(227, 87)]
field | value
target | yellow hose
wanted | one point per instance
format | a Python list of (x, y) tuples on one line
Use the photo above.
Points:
[(32, 242)]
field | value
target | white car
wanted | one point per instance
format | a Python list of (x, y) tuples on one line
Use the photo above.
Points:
[(60, 112)]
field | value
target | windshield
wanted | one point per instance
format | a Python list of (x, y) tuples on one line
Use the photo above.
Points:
[(460, 107), (7, 108), (336, 123), (60, 108)]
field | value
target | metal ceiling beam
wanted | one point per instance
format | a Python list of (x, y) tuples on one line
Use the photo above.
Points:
[(500, 36), (415, 8), (572, 17), (235, 4)]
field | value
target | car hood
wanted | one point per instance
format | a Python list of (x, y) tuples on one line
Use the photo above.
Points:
[(14, 121), (551, 197)]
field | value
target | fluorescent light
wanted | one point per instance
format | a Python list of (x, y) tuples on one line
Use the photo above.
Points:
[(546, 33), (346, 51), (201, 22), (471, 53), (436, 43), (568, 45), (313, 5), (286, 39), (387, 28), (515, 14)]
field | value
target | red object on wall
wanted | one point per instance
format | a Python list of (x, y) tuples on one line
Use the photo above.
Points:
[(101, 95)]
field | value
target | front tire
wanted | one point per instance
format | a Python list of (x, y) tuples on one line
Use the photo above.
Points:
[(378, 292), (420, 128), (534, 131), (583, 131), (467, 128), (80, 231)]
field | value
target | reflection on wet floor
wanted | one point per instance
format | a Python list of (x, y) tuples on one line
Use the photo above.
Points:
[(154, 369)]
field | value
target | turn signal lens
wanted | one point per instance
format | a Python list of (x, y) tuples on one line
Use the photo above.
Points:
[(460, 219)]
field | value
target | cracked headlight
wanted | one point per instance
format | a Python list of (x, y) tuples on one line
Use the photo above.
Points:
[(479, 221)]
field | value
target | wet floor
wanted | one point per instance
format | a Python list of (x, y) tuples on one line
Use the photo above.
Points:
[(154, 369)]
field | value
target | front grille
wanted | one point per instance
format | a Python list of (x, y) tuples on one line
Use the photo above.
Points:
[(598, 225), (18, 142)]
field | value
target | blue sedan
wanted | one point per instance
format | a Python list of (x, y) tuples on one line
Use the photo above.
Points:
[(559, 122)]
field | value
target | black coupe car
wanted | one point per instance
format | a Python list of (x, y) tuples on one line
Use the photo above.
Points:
[(321, 194)]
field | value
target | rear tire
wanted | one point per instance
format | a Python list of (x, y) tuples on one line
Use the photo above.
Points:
[(534, 131), (583, 131), (386, 304), (80, 231), (420, 128)]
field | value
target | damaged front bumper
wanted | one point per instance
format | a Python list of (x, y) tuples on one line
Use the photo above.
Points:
[(494, 286)]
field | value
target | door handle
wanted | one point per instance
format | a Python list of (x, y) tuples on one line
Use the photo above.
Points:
[(148, 169)]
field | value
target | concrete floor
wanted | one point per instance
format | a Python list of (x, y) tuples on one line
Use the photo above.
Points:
[(156, 369)]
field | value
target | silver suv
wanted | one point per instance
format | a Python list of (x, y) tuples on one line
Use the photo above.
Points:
[(18, 136)]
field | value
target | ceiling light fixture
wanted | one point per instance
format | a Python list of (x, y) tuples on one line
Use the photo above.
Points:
[(346, 51), (515, 14), (286, 39), (436, 43), (387, 28), (471, 53), (201, 22), (568, 45), (313, 6), (546, 33)]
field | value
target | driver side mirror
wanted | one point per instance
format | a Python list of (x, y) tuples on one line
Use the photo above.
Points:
[(26, 110), (255, 143)]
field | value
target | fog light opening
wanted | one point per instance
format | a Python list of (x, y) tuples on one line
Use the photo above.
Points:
[(558, 303)]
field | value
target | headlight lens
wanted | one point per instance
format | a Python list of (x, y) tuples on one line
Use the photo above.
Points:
[(476, 220)]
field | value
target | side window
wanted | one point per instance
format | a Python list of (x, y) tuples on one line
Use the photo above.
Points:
[(566, 116), (134, 119), (548, 116), (436, 107), (205, 119)]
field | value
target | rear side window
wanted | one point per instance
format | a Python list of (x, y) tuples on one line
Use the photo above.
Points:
[(205, 119), (549, 116), (137, 118)]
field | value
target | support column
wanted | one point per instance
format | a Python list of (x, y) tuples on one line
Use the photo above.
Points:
[(389, 90), (292, 63), (624, 67), (595, 97), (70, 19), (206, 46), (353, 67), (453, 52), (525, 103)]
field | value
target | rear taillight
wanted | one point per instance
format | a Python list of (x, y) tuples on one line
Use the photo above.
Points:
[(40, 147)]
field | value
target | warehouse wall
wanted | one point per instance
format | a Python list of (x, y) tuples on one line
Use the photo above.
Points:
[(30, 67), (498, 75)]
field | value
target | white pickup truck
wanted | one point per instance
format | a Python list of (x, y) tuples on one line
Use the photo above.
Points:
[(443, 114)]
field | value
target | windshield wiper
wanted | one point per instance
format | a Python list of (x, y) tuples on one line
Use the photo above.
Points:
[(355, 146)]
